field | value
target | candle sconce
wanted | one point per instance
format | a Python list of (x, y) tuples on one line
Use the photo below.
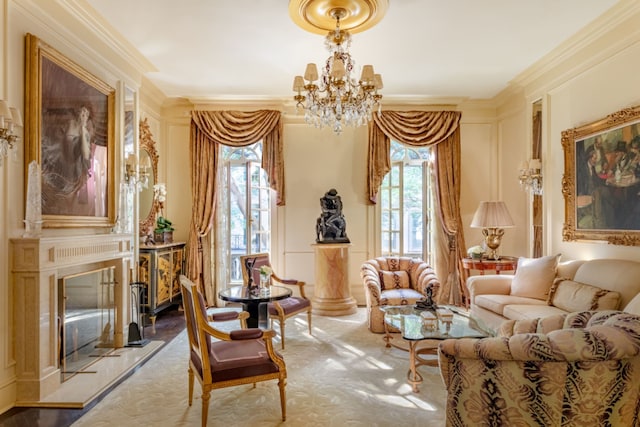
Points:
[(10, 118)]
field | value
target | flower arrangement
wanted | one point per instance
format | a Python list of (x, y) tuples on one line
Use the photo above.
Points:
[(475, 252), (160, 195), (265, 270)]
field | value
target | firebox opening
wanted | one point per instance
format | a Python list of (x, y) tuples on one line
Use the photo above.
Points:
[(87, 316)]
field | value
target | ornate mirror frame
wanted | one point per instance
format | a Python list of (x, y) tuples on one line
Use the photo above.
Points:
[(149, 145)]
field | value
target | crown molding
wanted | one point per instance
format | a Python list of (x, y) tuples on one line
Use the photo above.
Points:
[(584, 40), (123, 50)]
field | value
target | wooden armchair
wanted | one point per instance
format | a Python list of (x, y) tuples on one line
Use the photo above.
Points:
[(282, 309), (242, 356)]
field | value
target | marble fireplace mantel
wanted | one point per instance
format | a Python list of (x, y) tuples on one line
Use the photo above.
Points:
[(36, 265)]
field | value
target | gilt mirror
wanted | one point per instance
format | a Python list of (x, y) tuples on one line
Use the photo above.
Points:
[(148, 206)]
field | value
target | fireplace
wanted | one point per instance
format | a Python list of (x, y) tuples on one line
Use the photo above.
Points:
[(87, 313), (41, 270)]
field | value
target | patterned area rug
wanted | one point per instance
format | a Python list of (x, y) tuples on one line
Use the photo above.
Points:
[(343, 375)]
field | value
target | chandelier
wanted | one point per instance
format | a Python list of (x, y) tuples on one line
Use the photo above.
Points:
[(335, 97)]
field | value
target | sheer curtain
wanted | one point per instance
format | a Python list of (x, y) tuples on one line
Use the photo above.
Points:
[(421, 129), (209, 129)]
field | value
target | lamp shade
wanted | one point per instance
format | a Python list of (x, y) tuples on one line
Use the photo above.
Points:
[(367, 74), (4, 110), (311, 73), (492, 215), (16, 117), (298, 83)]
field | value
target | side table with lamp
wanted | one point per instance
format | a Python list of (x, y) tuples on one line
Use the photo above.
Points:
[(493, 217)]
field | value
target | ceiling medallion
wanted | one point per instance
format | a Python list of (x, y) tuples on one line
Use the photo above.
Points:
[(316, 16)]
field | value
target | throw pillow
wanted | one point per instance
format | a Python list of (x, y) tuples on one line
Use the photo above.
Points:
[(575, 296), (534, 277), (633, 306), (394, 280)]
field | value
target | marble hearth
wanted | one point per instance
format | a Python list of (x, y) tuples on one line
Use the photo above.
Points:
[(37, 264)]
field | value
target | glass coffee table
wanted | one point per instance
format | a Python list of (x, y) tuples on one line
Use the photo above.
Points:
[(418, 336)]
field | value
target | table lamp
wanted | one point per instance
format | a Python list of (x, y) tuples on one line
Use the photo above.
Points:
[(492, 217)]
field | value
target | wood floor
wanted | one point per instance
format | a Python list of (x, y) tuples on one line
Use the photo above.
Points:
[(169, 323)]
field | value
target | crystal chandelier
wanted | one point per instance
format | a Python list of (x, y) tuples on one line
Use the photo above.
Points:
[(338, 99)]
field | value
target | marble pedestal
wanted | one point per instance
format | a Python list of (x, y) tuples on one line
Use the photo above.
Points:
[(332, 296)]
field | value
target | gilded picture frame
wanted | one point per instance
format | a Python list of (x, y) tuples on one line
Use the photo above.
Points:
[(69, 131), (601, 182)]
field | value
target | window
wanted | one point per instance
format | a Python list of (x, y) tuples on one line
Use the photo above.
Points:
[(406, 204), (245, 219)]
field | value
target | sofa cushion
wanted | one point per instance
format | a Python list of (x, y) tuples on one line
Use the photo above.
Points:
[(530, 311), (534, 277), (620, 275), (634, 306), (394, 279), (571, 296), (496, 303), (399, 297)]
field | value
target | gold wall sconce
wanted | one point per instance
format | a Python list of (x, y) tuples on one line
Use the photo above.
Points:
[(10, 119)]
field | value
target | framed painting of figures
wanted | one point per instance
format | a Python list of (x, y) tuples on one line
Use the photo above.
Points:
[(69, 131), (601, 182)]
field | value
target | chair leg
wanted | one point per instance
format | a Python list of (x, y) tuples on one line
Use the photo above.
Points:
[(206, 395), (309, 320), (283, 400), (190, 386), (282, 322)]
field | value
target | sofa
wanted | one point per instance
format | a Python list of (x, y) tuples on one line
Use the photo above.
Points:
[(394, 280), (575, 370), (543, 287)]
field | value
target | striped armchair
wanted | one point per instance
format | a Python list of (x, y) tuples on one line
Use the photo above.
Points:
[(577, 369), (394, 281)]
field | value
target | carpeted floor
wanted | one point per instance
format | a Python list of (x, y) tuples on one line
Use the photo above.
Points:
[(343, 375)]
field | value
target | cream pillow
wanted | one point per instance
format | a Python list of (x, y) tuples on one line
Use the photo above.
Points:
[(575, 296), (534, 277), (633, 306), (394, 279)]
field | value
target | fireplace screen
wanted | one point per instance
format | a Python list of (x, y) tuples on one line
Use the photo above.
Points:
[(87, 316)]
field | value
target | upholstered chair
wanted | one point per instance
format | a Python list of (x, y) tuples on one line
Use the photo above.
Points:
[(576, 369), (219, 359), (394, 281), (283, 309)]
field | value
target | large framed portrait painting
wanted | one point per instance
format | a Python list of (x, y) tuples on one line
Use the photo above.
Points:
[(70, 133), (601, 183)]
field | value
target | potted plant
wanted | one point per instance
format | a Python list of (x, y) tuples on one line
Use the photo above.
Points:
[(164, 230)]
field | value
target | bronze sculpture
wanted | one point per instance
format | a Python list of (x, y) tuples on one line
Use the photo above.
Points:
[(331, 225)]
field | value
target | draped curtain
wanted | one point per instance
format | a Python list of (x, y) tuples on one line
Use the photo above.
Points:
[(421, 129), (209, 129)]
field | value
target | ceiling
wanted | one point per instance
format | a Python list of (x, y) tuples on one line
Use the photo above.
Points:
[(251, 49)]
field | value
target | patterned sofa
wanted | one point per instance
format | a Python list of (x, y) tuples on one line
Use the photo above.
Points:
[(394, 281), (578, 369)]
